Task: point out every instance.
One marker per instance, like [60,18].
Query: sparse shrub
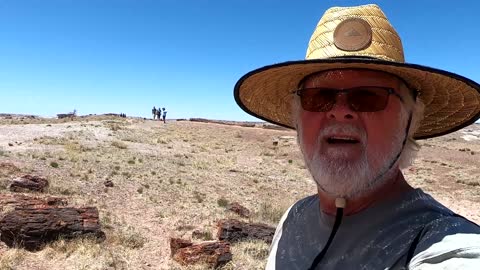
[54,164]
[199,197]
[162,141]
[114,127]
[204,235]
[290,161]
[66,191]
[269,213]
[132,239]
[222,202]
[468,183]
[257,252]
[131,161]
[119,145]
[267,154]
[140,190]
[3,153]
[180,163]
[10,259]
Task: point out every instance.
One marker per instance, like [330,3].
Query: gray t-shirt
[378,237]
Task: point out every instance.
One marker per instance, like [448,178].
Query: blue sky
[130,55]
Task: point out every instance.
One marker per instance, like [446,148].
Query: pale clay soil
[169,177]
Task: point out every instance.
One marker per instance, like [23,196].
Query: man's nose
[341,111]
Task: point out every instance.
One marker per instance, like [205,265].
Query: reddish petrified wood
[29,182]
[233,230]
[32,228]
[178,243]
[214,254]
[22,201]
[238,209]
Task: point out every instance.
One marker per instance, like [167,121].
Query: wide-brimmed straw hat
[360,37]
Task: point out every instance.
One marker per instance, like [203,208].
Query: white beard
[350,179]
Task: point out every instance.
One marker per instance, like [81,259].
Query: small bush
[222,202]
[54,164]
[119,145]
[132,239]
[269,213]
[200,197]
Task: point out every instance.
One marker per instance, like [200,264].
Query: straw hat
[360,37]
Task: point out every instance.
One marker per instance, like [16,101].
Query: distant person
[154,112]
[164,115]
[358,110]
[159,114]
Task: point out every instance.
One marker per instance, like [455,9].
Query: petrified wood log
[22,201]
[29,182]
[32,228]
[238,209]
[233,230]
[178,243]
[214,254]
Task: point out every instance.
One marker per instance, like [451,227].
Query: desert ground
[171,179]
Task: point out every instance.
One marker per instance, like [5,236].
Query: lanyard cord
[340,203]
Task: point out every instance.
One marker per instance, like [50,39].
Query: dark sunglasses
[359,99]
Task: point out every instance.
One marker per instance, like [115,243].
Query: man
[164,115]
[159,114]
[154,112]
[358,109]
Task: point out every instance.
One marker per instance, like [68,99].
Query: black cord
[336,225]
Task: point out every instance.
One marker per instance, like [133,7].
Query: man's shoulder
[451,224]
[309,203]
[448,243]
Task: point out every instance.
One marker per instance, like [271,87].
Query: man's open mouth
[342,140]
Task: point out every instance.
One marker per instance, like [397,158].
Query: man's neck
[392,188]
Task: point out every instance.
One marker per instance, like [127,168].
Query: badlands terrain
[172,179]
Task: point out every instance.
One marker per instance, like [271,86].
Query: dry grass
[172,179]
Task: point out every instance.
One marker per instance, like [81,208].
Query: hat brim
[451,101]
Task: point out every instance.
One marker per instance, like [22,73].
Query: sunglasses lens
[317,99]
[368,99]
